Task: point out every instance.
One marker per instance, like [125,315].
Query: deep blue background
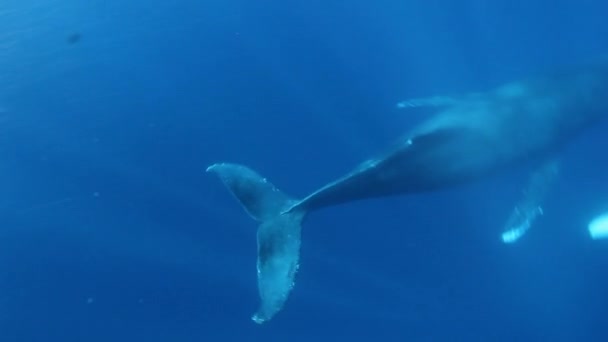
[111,230]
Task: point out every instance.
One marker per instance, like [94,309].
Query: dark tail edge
[278,235]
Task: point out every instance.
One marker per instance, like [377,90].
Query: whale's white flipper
[278,234]
[519,223]
[529,207]
[435,101]
[598,227]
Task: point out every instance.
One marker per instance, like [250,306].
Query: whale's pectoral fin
[529,207]
[278,234]
[435,101]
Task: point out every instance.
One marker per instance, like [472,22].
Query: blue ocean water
[110,111]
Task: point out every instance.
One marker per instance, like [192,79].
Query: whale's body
[469,138]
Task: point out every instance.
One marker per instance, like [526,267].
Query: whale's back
[479,136]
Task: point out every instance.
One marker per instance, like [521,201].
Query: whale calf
[468,138]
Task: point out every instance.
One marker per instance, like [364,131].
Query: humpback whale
[467,138]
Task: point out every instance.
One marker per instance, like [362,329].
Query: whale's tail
[278,234]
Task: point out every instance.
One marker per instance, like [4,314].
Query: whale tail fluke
[278,235]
